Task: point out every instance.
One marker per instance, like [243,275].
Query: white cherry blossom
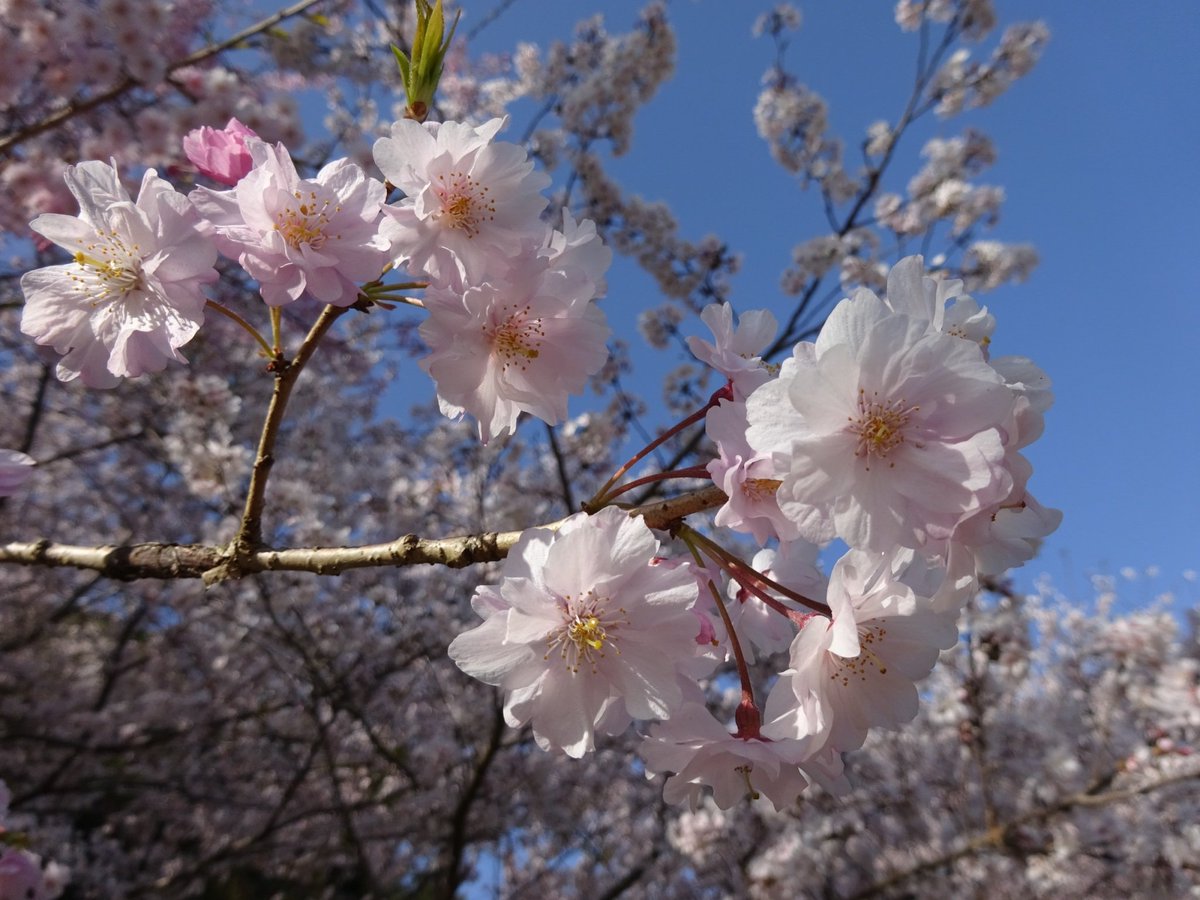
[592,630]
[132,296]
[471,203]
[914,293]
[883,432]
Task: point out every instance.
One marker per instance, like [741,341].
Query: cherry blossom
[471,203]
[883,432]
[15,469]
[698,752]
[296,235]
[860,666]
[734,351]
[591,629]
[132,296]
[748,478]
[914,293]
[21,877]
[512,345]
[580,254]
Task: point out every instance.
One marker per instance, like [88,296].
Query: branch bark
[176,561]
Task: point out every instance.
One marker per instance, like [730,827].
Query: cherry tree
[300,600]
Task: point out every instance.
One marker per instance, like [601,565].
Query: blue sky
[1098,156]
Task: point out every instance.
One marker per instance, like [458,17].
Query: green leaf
[433,33]
[402,62]
[453,28]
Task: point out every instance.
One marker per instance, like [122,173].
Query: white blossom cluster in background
[251,619]
[22,874]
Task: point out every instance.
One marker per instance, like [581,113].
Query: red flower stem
[754,581]
[690,472]
[688,535]
[740,577]
[601,496]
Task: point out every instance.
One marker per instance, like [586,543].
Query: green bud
[422,71]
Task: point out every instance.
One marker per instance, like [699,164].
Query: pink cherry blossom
[20,877]
[470,204]
[296,235]
[860,666]
[221,155]
[1008,532]
[512,345]
[747,477]
[592,631]
[132,296]
[699,752]
[579,253]
[734,350]
[15,469]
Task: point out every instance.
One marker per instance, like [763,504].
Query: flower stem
[602,496]
[690,472]
[250,329]
[378,292]
[277,331]
[689,535]
[757,583]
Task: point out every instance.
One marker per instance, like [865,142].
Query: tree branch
[127,84]
[995,837]
[176,561]
[249,536]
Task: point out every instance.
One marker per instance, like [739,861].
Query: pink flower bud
[221,155]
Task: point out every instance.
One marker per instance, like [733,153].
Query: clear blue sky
[1098,156]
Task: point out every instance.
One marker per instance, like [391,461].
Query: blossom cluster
[895,432]
[512,324]
[22,875]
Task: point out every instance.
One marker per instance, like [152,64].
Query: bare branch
[249,535]
[215,564]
